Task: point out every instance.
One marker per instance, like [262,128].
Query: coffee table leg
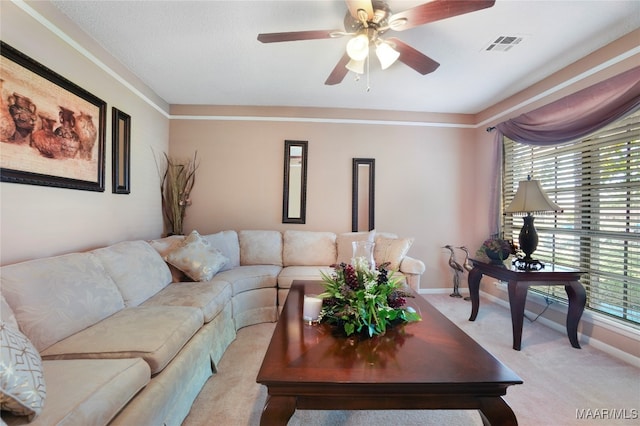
[494,411]
[277,410]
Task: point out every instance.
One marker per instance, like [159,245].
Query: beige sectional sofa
[128,334]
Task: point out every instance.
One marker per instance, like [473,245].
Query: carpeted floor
[562,385]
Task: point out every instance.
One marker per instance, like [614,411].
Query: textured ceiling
[206,52]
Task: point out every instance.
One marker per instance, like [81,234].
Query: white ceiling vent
[503,43]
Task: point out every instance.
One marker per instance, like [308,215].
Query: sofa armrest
[409,265]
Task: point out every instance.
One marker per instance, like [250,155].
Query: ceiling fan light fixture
[386,54]
[358,47]
[356,66]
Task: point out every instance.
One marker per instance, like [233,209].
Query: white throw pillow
[391,250]
[164,246]
[22,387]
[196,258]
[345,246]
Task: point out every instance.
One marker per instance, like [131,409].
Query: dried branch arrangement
[177,182]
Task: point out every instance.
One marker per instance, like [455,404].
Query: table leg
[577,299]
[474,291]
[277,410]
[495,411]
[517,300]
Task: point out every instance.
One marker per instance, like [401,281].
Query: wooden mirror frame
[357,190]
[121,152]
[291,195]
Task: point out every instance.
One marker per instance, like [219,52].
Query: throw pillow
[196,258]
[345,246]
[164,246]
[22,388]
[391,250]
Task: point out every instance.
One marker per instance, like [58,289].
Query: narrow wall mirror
[121,152]
[294,205]
[363,194]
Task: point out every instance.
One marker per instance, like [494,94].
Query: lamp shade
[386,54]
[356,66]
[530,198]
[358,47]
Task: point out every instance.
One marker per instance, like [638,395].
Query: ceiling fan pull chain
[368,85]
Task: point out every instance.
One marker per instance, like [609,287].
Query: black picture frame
[52,131]
[369,167]
[294,192]
[121,151]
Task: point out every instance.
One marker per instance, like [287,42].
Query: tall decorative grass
[176,185]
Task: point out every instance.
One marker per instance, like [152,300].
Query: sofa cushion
[260,247]
[391,250]
[302,248]
[164,246]
[88,392]
[244,278]
[208,296]
[22,384]
[253,307]
[53,298]
[227,243]
[290,273]
[196,258]
[345,247]
[136,268]
[153,333]
[6,313]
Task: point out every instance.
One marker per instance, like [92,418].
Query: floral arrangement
[364,300]
[496,249]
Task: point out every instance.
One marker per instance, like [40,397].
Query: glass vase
[363,253]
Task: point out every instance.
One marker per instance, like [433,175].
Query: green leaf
[349,328]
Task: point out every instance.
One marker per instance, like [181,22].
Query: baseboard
[593,318]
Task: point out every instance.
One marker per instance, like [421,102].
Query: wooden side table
[518,284]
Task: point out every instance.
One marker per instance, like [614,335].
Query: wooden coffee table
[430,364]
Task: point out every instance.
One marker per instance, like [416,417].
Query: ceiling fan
[367,20]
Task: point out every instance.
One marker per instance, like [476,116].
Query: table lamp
[530,198]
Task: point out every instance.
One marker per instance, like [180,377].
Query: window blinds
[597,183]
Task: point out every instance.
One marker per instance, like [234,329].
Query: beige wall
[39,221]
[424,179]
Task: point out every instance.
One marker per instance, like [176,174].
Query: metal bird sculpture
[466,264]
[457,270]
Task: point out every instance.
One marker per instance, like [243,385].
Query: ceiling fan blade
[299,35]
[355,5]
[435,11]
[339,72]
[413,58]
